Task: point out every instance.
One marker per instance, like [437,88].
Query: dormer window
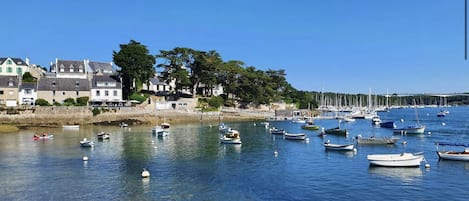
[53,83]
[10,83]
[71,70]
[9,62]
[62,70]
[77,84]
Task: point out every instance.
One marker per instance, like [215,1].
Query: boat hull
[230,141]
[290,136]
[455,156]
[339,147]
[310,127]
[410,130]
[377,141]
[395,160]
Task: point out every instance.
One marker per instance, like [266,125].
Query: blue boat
[387,124]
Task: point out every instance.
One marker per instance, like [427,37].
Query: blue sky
[346,46]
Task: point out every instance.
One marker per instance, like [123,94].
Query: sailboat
[412,129]
[165,125]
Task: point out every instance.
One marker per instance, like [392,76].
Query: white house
[27,94]
[13,66]
[106,89]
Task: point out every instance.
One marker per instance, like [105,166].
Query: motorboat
[103,136]
[277,131]
[295,136]
[375,120]
[298,121]
[165,125]
[453,155]
[376,140]
[159,131]
[71,126]
[231,137]
[86,143]
[396,160]
[338,147]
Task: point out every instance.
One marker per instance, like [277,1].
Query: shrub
[82,101]
[96,111]
[138,97]
[69,102]
[215,101]
[41,102]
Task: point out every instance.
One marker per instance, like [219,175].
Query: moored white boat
[86,143]
[159,131]
[295,136]
[338,147]
[396,160]
[103,136]
[410,129]
[277,131]
[71,126]
[453,155]
[231,137]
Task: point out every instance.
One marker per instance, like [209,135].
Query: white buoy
[254,124]
[429,132]
[402,120]
[275,153]
[85,158]
[404,142]
[443,123]
[427,165]
[354,149]
[145,173]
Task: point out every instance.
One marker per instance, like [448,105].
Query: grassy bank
[5,128]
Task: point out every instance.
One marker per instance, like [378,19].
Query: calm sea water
[191,164]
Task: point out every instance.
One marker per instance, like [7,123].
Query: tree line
[200,71]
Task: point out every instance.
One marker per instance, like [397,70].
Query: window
[62,70]
[9,70]
[77,93]
[115,92]
[9,62]
[53,83]
[106,84]
[10,92]
[10,83]
[80,70]
[19,71]
[53,92]
[106,93]
[1,92]
[71,70]
[97,93]
[63,93]
[27,91]
[0,69]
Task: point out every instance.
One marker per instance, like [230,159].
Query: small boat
[453,155]
[103,136]
[376,140]
[441,114]
[396,160]
[298,121]
[277,131]
[71,126]
[322,133]
[231,137]
[336,131]
[310,126]
[43,136]
[387,124]
[338,147]
[410,129]
[86,143]
[295,136]
[375,120]
[159,131]
[165,125]
[123,125]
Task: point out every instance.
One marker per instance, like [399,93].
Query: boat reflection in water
[404,174]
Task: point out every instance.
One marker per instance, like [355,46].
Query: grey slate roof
[105,78]
[28,85]
[17,61]
[4,80]
[101,67]
[69,64]
[63,84]
[156,81]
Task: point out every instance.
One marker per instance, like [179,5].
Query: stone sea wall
[56,116]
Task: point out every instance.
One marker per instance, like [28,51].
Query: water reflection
[404,174]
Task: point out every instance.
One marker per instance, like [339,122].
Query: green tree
[228,76]
[136,66]
[27,77]
[175,67]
